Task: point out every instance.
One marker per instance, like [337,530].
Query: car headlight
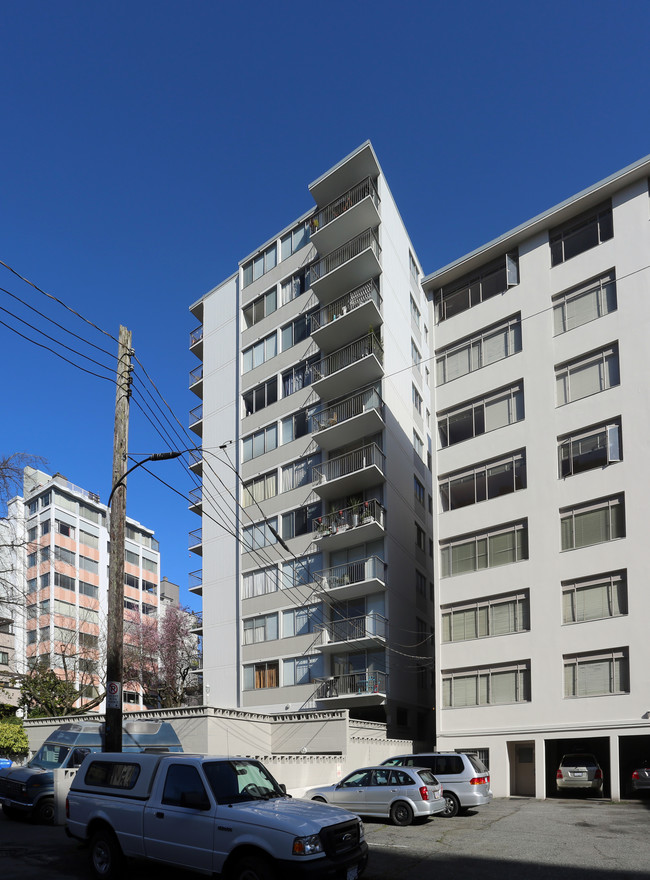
[307,846]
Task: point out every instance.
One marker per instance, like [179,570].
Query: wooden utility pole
[117,502]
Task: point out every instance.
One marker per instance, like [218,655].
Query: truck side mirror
[77,756]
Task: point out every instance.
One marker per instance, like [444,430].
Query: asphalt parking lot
[511,839]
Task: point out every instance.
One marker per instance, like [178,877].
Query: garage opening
[634,752]
[554,749]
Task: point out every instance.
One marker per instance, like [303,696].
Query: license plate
[353,873]
[579,773]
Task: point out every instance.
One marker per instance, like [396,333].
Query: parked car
[464,778]
[639,777]
[399,794]
[579,770]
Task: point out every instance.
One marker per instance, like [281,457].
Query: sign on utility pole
[115,635]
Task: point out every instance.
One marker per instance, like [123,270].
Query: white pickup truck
[207,814]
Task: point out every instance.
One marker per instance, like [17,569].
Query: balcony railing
[350,463]
[196,414]
[349,355]
[369,626]
[344,254]
[343,203]
[349,518]
[367,682]
[196,335]
[352,300]
[195,457]
[195,496]
[195,578]
[351,573]
[195,537]
[348,408]
[196,375]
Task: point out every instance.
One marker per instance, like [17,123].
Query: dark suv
[465,780]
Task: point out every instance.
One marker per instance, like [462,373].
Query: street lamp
[115,630]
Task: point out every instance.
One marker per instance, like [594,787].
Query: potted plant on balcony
[356,505]
[367,513]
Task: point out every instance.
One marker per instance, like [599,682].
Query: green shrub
[13,740]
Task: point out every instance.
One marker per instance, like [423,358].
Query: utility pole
[117,501]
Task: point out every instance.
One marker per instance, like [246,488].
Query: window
[297,425]
[261,307]
[86,640]
[67,609]
[417,399]
[44,580]
[32,585]
[416,357]
[299,473]
[299,522]
[129,605]
[499,546]
[297,284]
[487,685]
[32,559]
[132,558]
[419,537]
[45,528]
[261,675]
[149,586]
[45,554]
[131,697]
[492,345]
[595,674]
[260,535]
[85,511]
[61,634]
[594,598]
[259,489]
[32,533]
[63,581]
[62,528]
[130,580]
[301,670]
[301,621]
[260,442]
[148,610]
[45,499]
[262,351]
[584,303]
[298,330]
[587,375]
[88,539]
[31,637]
[260,265]
[501,408]
[88,564]
[88,590]
[260,582]
[415,312]
[261,629]
[33,507]
[420,584]
[300,376]
[418,445]
[183,779]
[294,240]
[494,616]
[413,267]
[491,280]
[87,615]
[591,448]
[149,564]
[418,490]
[485,481]
[593,523]
[299,572]
[261,396]
[581,233]
[4,658]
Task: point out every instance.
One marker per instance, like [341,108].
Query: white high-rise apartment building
[541,401]
[320,594]
[461,454]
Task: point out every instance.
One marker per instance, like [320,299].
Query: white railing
[348,408]
[348,355]
[344,254]
[351,573]
[349,463]
[348,303]
[343,203]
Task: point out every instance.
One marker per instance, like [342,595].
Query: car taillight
[424,793]
[480,780]
[558,775]
[635,774]
[598,774]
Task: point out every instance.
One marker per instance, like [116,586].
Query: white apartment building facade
[317,558]
[60,597]
[541,400]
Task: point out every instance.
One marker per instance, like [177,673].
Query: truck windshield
[49,756]
[237,781]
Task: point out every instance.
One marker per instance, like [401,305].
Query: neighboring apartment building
[313,375]
[322,366]
[11,606]
[62,579]
[541,401]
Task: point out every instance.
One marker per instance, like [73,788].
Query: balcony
[195,542]
[350,473]
[352,579]
[348,266]
[196,381]
[349,526]
[354,417]
[196,461]
[197,624]
[349,368]
[367,688]
[196,500]
[355,167]
[196,420]
[354,633]
[356,209]
[196,341]
[196,582]
[348,317]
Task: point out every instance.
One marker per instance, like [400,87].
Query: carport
[554,749]
[632,750]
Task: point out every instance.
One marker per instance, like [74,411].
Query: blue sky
[148,146]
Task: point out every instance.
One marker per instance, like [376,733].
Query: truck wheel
[44,812]
[452,805]
[252,868]
[401,814]
[106,857]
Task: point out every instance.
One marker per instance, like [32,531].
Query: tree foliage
[43,693]
[13,740]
